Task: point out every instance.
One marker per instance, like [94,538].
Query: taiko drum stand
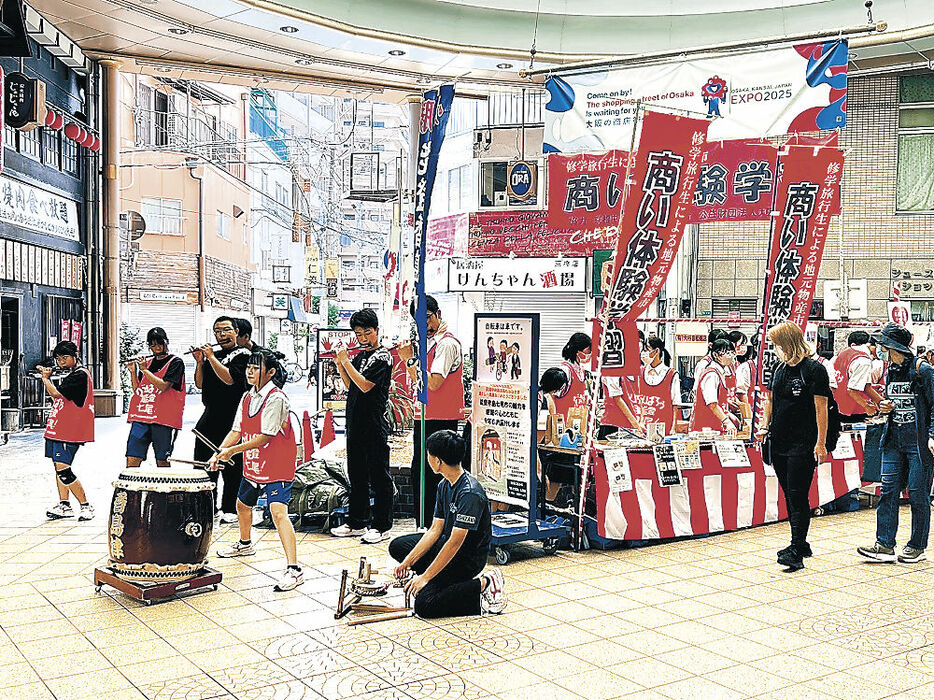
[157,591]
[352,592]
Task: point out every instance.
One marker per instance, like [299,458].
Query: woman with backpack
[795,425]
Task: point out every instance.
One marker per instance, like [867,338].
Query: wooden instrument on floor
[160,524]
[352,591]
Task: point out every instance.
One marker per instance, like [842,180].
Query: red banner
[66,329]
[736,182]
[76,333]
[446,237]
[494,234]
[658,206]
[622,352]
[585,191]
[804,202]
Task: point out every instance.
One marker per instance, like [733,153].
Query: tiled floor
[712,617]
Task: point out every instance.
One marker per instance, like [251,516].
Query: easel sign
[332,394]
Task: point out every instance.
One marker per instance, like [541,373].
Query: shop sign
[331,289]
[691,338]
[38,210]
[915,278]
[22,262]
[900,313]
[656,212]
[23,101]
[527,233]
[332,392]
[602,271]
[505,275]
[280,302]
[777,91]
[285,326]
[522,180]
[146,295]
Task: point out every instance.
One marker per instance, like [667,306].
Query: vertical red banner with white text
[657,208]
[806,198]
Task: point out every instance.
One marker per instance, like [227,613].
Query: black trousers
[795,473]
[368,466]
[452,593]
[233,474]
[431,479]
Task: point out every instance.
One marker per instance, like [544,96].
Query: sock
[245,542]
[66,502]
[296,567]
[484,583]
[82,504]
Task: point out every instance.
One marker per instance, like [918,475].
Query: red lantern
[82,134]
[88,139]
[72,130]
[49,117]
[96,146]
[58,121]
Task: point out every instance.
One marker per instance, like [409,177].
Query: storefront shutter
[180,323]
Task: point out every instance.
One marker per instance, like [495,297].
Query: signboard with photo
[503,349]
[332,393]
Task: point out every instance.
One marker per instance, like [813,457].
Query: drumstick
[379,618]
[198,434]
[203,465]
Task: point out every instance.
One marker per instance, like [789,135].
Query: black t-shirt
[466,506]
[174,375]
[74,387]
[366,411]
[794,418]
[221,400]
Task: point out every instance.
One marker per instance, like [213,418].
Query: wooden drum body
[161,521]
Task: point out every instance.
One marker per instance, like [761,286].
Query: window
[10,137]
[922,311]
[379,125]
[743,307]
[461,193]
[70,162]
[29,143]
[51,148]
[493,192]
[223,225]
[914,185]
[162,215]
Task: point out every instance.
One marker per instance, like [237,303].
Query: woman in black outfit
[795,419]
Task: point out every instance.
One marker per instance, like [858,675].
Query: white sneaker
[289,579]
[346,531]
[372,536]
[493,599]
[58,511]
[237,550]
[87,512]
[229,519]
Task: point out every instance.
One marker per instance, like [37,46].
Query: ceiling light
[288,29]
[423,80]
[304,61]
[178,31]
[162,69]
[503,66]
[397,52]
[149,2]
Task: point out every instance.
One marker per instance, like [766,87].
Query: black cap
[895,337]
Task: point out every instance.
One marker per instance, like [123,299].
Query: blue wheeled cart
[520,333]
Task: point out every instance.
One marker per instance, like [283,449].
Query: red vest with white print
[841,365]
[69,422]
[612,413]
[149,405]
[703,416]
[274,461]
[447,401]
[576,394]
[654,402]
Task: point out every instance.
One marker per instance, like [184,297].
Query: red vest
[149,405]
[447,401]
[576,394]
[69,422]
[274,461]
[841,366]
[730,380]
[612,414]
[653,403]
[703,416]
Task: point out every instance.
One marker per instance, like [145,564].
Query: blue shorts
[142,435]
[276,492]
[61,452]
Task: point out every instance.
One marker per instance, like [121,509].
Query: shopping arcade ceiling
[389,49]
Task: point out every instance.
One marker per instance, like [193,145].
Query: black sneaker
[805,550]
[791,560]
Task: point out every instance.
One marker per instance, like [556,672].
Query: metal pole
[111,227]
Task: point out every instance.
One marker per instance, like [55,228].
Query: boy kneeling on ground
[448,558]
[263,432]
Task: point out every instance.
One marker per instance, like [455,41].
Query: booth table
[710,499]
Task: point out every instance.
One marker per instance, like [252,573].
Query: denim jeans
[903,468]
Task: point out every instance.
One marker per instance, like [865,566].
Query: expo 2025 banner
[767,93]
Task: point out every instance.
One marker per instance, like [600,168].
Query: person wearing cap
[158,402]
[907,448]
[70,425]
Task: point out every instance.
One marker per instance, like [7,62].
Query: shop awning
[297,311]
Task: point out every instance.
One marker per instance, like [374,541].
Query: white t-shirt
[860,370]
[447,355]
[275,413]
[831,372]
[743,377]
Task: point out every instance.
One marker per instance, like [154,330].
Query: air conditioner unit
[500,199]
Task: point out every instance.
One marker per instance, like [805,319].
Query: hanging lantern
[96,146]
[58,121]
[49,117]
[72,130]
[88,139]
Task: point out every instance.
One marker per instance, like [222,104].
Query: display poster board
[617,469]
[332,393]
[503,410]
[666,465]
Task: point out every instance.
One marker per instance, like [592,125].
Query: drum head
[164,479]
